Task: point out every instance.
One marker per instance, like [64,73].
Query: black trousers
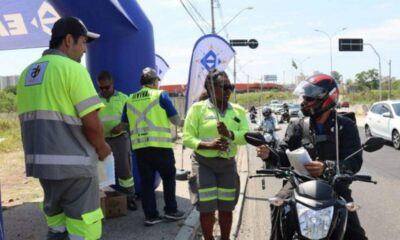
[354,231]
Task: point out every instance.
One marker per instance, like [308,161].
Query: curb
[190,227]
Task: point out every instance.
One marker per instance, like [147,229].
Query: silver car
[383,120]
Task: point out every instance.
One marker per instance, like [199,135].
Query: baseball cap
[149,75]
[73,26]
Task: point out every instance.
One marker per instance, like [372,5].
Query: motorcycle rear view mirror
[257,139]
[373,143]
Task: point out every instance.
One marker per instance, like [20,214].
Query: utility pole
[390,78]
[234,77]
[212,18]
[247,98]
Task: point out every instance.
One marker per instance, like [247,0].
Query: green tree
[7,102]
[369,79]
[11,89]
[337,76]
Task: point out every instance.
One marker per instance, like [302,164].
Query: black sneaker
[178,215]
[152,221]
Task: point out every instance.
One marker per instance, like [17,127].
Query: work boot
[130,200]
[51,235]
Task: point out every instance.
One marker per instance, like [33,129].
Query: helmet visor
[307,89]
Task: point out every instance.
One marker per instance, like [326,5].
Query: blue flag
[26,23]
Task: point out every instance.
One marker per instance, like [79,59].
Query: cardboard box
[113,204]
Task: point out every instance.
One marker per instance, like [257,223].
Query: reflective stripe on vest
[109,118]
[57,159]
[80,107]
[49,115]
[61,143]
[148,122]
[142,117]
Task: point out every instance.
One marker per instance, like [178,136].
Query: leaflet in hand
[298,158]
[106,171]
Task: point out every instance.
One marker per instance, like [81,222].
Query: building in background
[6,81]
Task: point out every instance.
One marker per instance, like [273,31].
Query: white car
[383,120]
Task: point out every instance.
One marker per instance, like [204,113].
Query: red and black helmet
[322,88]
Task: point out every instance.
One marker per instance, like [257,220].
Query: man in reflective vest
[62,134]
[116,135]
[149,113]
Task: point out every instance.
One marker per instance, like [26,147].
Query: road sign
[351,44]
[238,42]
[270,78]
[252,43]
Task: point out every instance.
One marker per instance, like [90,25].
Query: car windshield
[396,107]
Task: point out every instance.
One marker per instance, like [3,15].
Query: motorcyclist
[285,113]
[253,109]
[253,114]
[268,124]
[316,133]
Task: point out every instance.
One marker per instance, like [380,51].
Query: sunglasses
[227,87]
[308,99]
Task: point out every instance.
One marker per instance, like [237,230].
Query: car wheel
[367,131]
[396,139]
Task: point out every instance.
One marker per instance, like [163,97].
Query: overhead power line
[190,14]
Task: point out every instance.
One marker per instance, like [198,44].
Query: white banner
[161,66]
[210,51]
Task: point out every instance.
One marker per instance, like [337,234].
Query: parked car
[294,109]
[276,107]
[343,105]
[383,120]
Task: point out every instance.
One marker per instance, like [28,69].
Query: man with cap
[62,134]
[149,113]
[116,135]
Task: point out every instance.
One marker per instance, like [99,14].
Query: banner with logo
[161,66]
[26,23]
[210,51]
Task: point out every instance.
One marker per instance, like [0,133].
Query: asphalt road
[379,213]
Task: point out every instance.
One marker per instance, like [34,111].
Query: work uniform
[214,183]
[148,112]
[319,141]
[54,93]
[110,116]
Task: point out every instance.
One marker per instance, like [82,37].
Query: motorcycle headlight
[268,138]
[314,224]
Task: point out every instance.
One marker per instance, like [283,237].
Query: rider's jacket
[319,141]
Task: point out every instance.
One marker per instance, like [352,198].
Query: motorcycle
[314,210]
[285,116]
[253,117]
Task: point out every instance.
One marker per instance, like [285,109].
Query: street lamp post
[234,56]
[301,63]
[380,72]
[330,41]
[233,18]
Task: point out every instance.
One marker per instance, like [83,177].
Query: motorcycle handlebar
[267,171]
[361,178]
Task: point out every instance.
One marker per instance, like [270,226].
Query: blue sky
[284,30]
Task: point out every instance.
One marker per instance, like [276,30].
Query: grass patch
[9,133]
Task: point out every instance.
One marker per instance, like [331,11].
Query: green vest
[201,126]
[148,122]
[110,116]
[54,93]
